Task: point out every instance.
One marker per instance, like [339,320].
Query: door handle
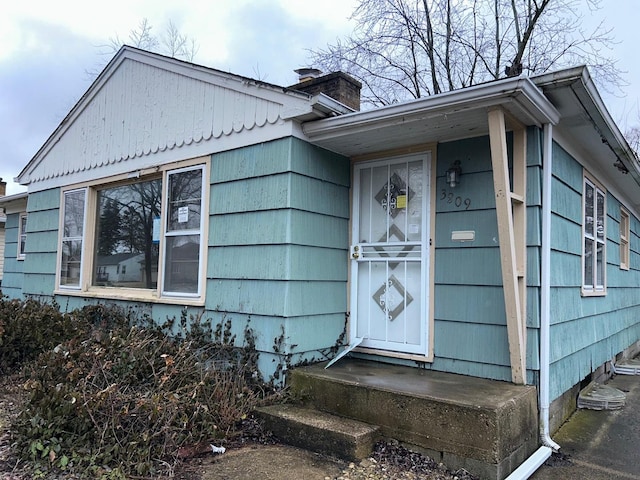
[355,252]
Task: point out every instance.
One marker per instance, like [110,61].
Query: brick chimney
[338,85]
[3,187]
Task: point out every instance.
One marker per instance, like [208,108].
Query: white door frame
[413,253]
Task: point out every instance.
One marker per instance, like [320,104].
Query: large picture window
[124,235]
[594,239]
[144,235]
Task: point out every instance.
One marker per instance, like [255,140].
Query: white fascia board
[14,203]
[519,92]
[581,84]
[320,106]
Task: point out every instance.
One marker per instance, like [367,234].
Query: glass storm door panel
[390,255]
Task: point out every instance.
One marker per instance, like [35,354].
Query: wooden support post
[511,212]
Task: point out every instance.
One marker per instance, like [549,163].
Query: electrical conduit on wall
[531,464]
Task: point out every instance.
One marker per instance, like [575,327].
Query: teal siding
[277,250]
[470,334]
[278,262]
[587,331]
[41,248]
[278,243]
[12,275]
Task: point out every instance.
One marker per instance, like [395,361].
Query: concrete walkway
[600,444]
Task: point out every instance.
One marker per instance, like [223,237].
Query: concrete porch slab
[487,427]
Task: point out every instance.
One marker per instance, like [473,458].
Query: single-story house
[491,232]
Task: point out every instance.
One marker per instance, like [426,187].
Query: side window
[73,218]
[624,239]
[594,239]
[183,234]
[22,236]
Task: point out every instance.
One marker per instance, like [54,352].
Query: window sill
[593,293]
[146,296]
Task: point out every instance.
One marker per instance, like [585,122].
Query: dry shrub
[128,399]
[30,327]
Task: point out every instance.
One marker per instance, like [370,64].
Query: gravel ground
[393,461]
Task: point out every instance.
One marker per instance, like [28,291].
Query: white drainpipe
[531,464]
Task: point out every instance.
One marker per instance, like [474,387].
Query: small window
[594,239]
[22,236]
[183,232]
[72,238]
[624,239]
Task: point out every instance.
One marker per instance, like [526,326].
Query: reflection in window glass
[72,238]
[594,238]
[126,254]
[624,239]
[183,233]
[181,273]
[22,236]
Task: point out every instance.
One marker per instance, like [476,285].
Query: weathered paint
[143,105]
[279,241]
[277,298]
[41,247]
[278,262]
[279,227]
[469,299]
[12,276]
[587,331]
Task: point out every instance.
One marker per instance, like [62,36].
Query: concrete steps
[319,431]
[486,427]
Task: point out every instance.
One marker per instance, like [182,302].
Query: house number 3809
[458,201]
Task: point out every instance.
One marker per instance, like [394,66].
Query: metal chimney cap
[307,73]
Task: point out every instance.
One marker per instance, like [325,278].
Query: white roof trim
[519,93]
[241,104]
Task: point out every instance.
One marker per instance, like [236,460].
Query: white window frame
[22,236]
[167,233]
[590,287]
[625,232]
[72,238]
[89,240]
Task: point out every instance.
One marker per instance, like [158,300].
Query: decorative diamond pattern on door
[392,298]
[389,301]
[394,195]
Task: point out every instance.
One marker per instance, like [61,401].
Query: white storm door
[390,255]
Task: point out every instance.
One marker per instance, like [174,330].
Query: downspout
[531,464]
[545,288]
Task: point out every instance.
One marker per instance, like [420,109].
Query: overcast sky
[47,47]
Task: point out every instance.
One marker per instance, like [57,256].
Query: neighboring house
[491,231]
[13,235]
[120,270]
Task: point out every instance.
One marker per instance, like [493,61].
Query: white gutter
[531,464]
[520,92]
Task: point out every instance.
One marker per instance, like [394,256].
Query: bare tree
[403,49]
[170,42]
